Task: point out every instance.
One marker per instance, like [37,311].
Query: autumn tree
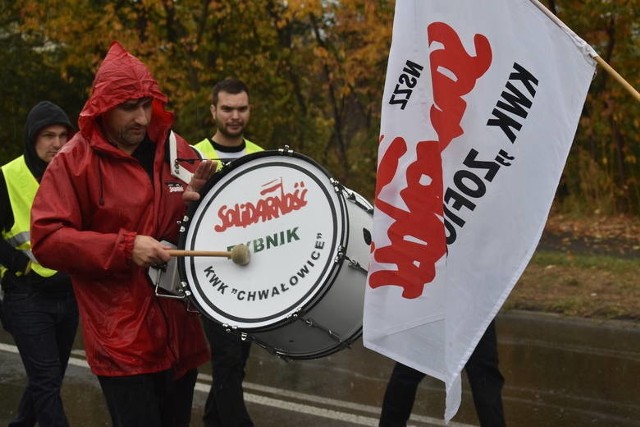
[30,73]
[602,173]
[316,70]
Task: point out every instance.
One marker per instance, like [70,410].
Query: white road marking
[258,394]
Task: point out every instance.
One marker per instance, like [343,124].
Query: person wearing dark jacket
[106,203]
[39,309]
[484,376]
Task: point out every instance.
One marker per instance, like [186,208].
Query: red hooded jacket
[92,202]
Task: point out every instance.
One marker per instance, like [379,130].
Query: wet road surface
[558,371]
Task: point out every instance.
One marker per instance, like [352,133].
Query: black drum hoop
[329,272]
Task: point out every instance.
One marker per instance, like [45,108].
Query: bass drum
[301,296]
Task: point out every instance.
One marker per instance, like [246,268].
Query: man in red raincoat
[104,205]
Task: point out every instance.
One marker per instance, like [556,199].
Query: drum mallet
[239,254]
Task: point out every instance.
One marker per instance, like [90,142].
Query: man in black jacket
[484,376]
[39,308]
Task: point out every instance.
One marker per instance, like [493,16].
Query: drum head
[286,210]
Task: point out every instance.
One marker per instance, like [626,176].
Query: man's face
[231,115]
[50,140]
[126,124]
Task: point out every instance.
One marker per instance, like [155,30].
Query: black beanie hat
[44,114]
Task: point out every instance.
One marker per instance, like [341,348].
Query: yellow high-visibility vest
[22,187]
[209,152]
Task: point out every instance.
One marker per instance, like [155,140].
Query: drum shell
[335,321]
[325,317]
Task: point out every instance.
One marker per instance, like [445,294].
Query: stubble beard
[224,130]
[131,138]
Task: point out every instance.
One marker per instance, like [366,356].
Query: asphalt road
[558,371]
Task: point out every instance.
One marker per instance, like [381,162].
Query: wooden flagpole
[590,51]
[617,77]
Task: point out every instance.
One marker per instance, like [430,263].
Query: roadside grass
[591,286]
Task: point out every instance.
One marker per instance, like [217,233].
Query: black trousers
[150,400]
[43,326]
[484,376]
[225,406]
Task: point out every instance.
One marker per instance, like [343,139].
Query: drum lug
[295,314]
[183,224]
[184,289]
[234,330]
[337,187]
[285,150]
[340,255]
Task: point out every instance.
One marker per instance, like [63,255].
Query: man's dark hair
[229,85]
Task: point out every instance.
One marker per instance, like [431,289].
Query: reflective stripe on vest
[22,188]
[209,152]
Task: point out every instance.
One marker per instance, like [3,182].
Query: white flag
[481,103]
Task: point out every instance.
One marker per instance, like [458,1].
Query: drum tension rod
[353,199]
[190,306]
[313,324]
[355,264]
[341,256]
[271,350]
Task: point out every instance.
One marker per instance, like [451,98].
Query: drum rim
[331,270]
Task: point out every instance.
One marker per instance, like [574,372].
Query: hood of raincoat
[122,77]
[45,113]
